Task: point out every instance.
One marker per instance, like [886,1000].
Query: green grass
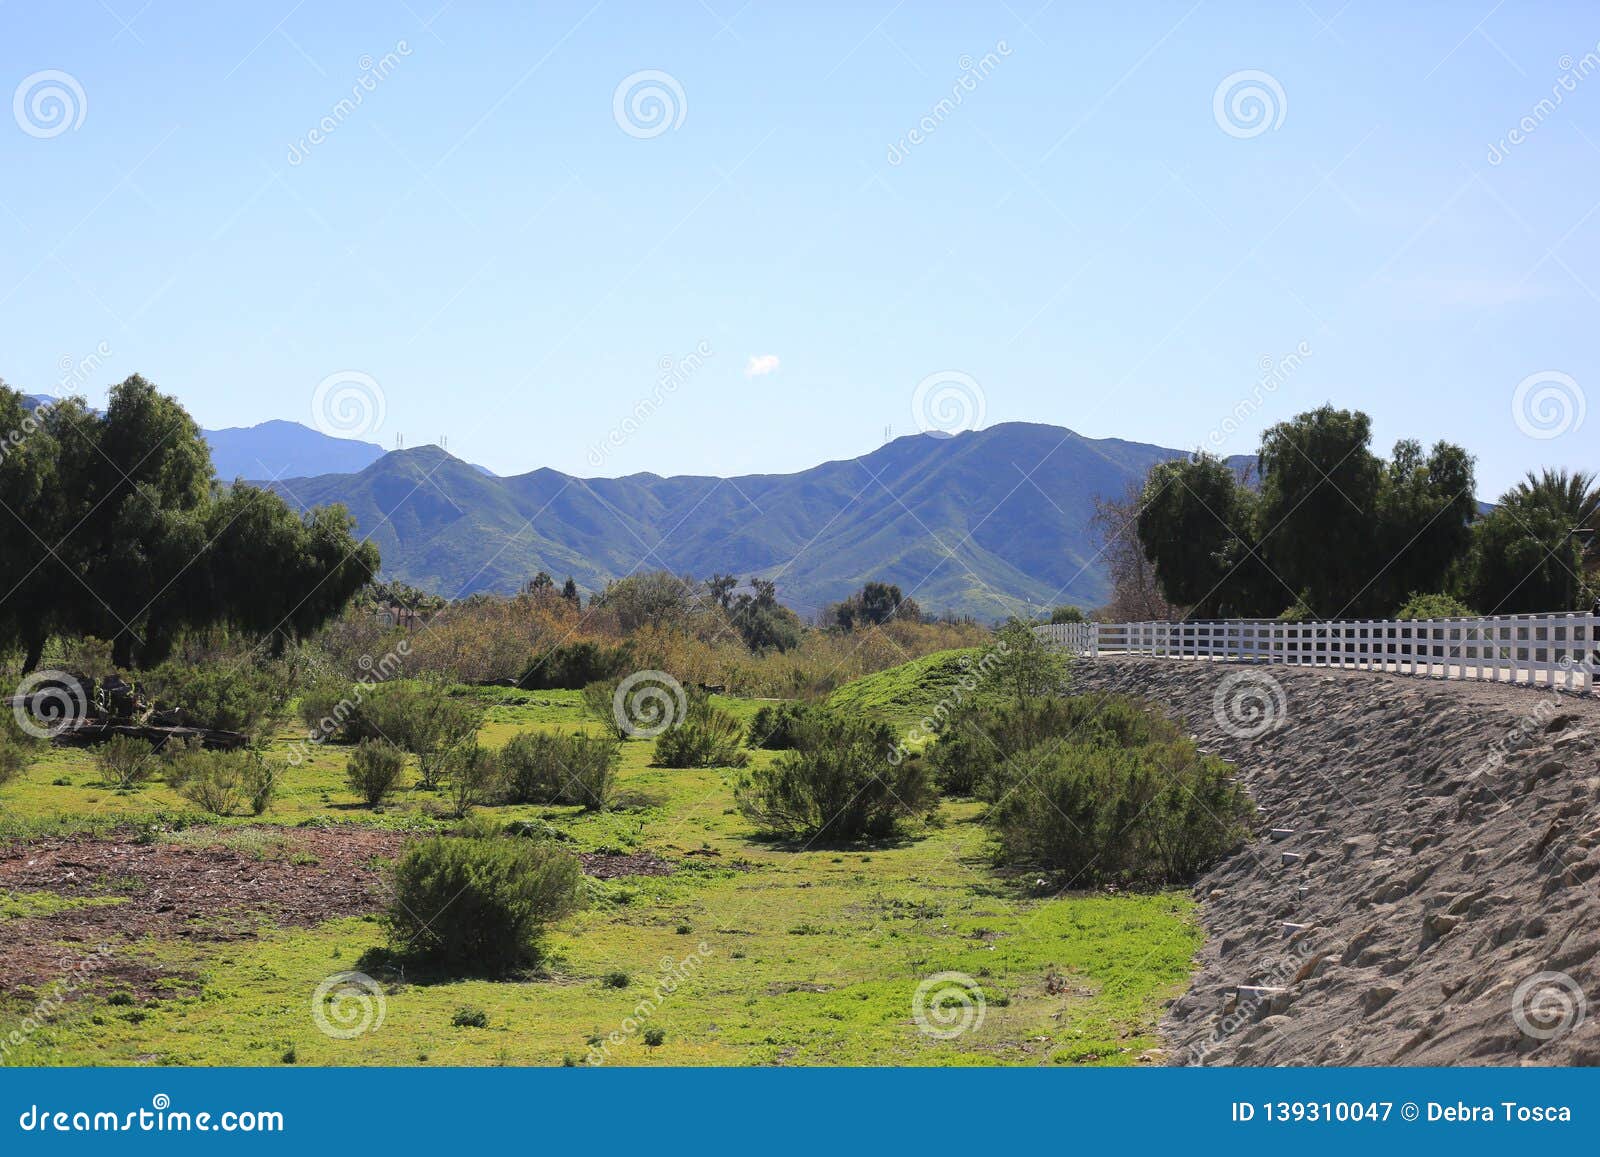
[810,957]
[905,694]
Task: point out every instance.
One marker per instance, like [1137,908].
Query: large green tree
[113,526]
[1528,553]
[1196,525]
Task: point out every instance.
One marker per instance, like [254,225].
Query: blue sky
[1083,238]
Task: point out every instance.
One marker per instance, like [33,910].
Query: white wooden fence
[1548,650]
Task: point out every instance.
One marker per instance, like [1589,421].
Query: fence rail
[1548,650]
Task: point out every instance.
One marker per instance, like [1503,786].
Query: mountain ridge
[988,522]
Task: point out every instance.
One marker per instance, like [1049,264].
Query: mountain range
[986,522]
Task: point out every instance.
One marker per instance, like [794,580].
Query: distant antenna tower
[888,433]
[444,441]
[399,441]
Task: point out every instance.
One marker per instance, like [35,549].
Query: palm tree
[1571,495]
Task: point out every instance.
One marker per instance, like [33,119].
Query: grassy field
[794,955]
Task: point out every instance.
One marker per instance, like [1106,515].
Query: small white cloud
[760,365]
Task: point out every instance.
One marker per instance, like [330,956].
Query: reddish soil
[198,892]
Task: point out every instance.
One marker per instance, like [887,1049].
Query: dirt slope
[1437,900]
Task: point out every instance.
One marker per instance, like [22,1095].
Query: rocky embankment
[1423,888]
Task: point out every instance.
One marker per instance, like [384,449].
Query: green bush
[572,666]
[480,904]
[843,782]
[332,711]
[598,698]
[473,776]
[125,761]
[776,727]
[983,748]
[1420,606]
[1068,614]
[470,1016]
[427,721]
[18,750]
[707,737]
[374,769]
[1154,814]
[226,697]
[541,767]
[223,781]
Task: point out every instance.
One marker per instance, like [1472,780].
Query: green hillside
[952,521]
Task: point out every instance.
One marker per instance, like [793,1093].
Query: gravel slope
[1429,896]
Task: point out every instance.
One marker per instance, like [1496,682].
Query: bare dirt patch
[217,886]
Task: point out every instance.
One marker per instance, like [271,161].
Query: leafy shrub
[374,769]
[616,980]
[707,737]
[597,701]
[125,761]
[981,750]
[18,750]
[654,1037]
[843,781]
[473,776]
[480,904]
[1420,606]
[1068,614]
[222,781]
[1157,813]
[776,727]
[331,710]
[228,697]
[572,666]
[470,1016]
[427,721]
[541,767]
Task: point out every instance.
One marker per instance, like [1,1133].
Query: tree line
[1325,528]
[113,526]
